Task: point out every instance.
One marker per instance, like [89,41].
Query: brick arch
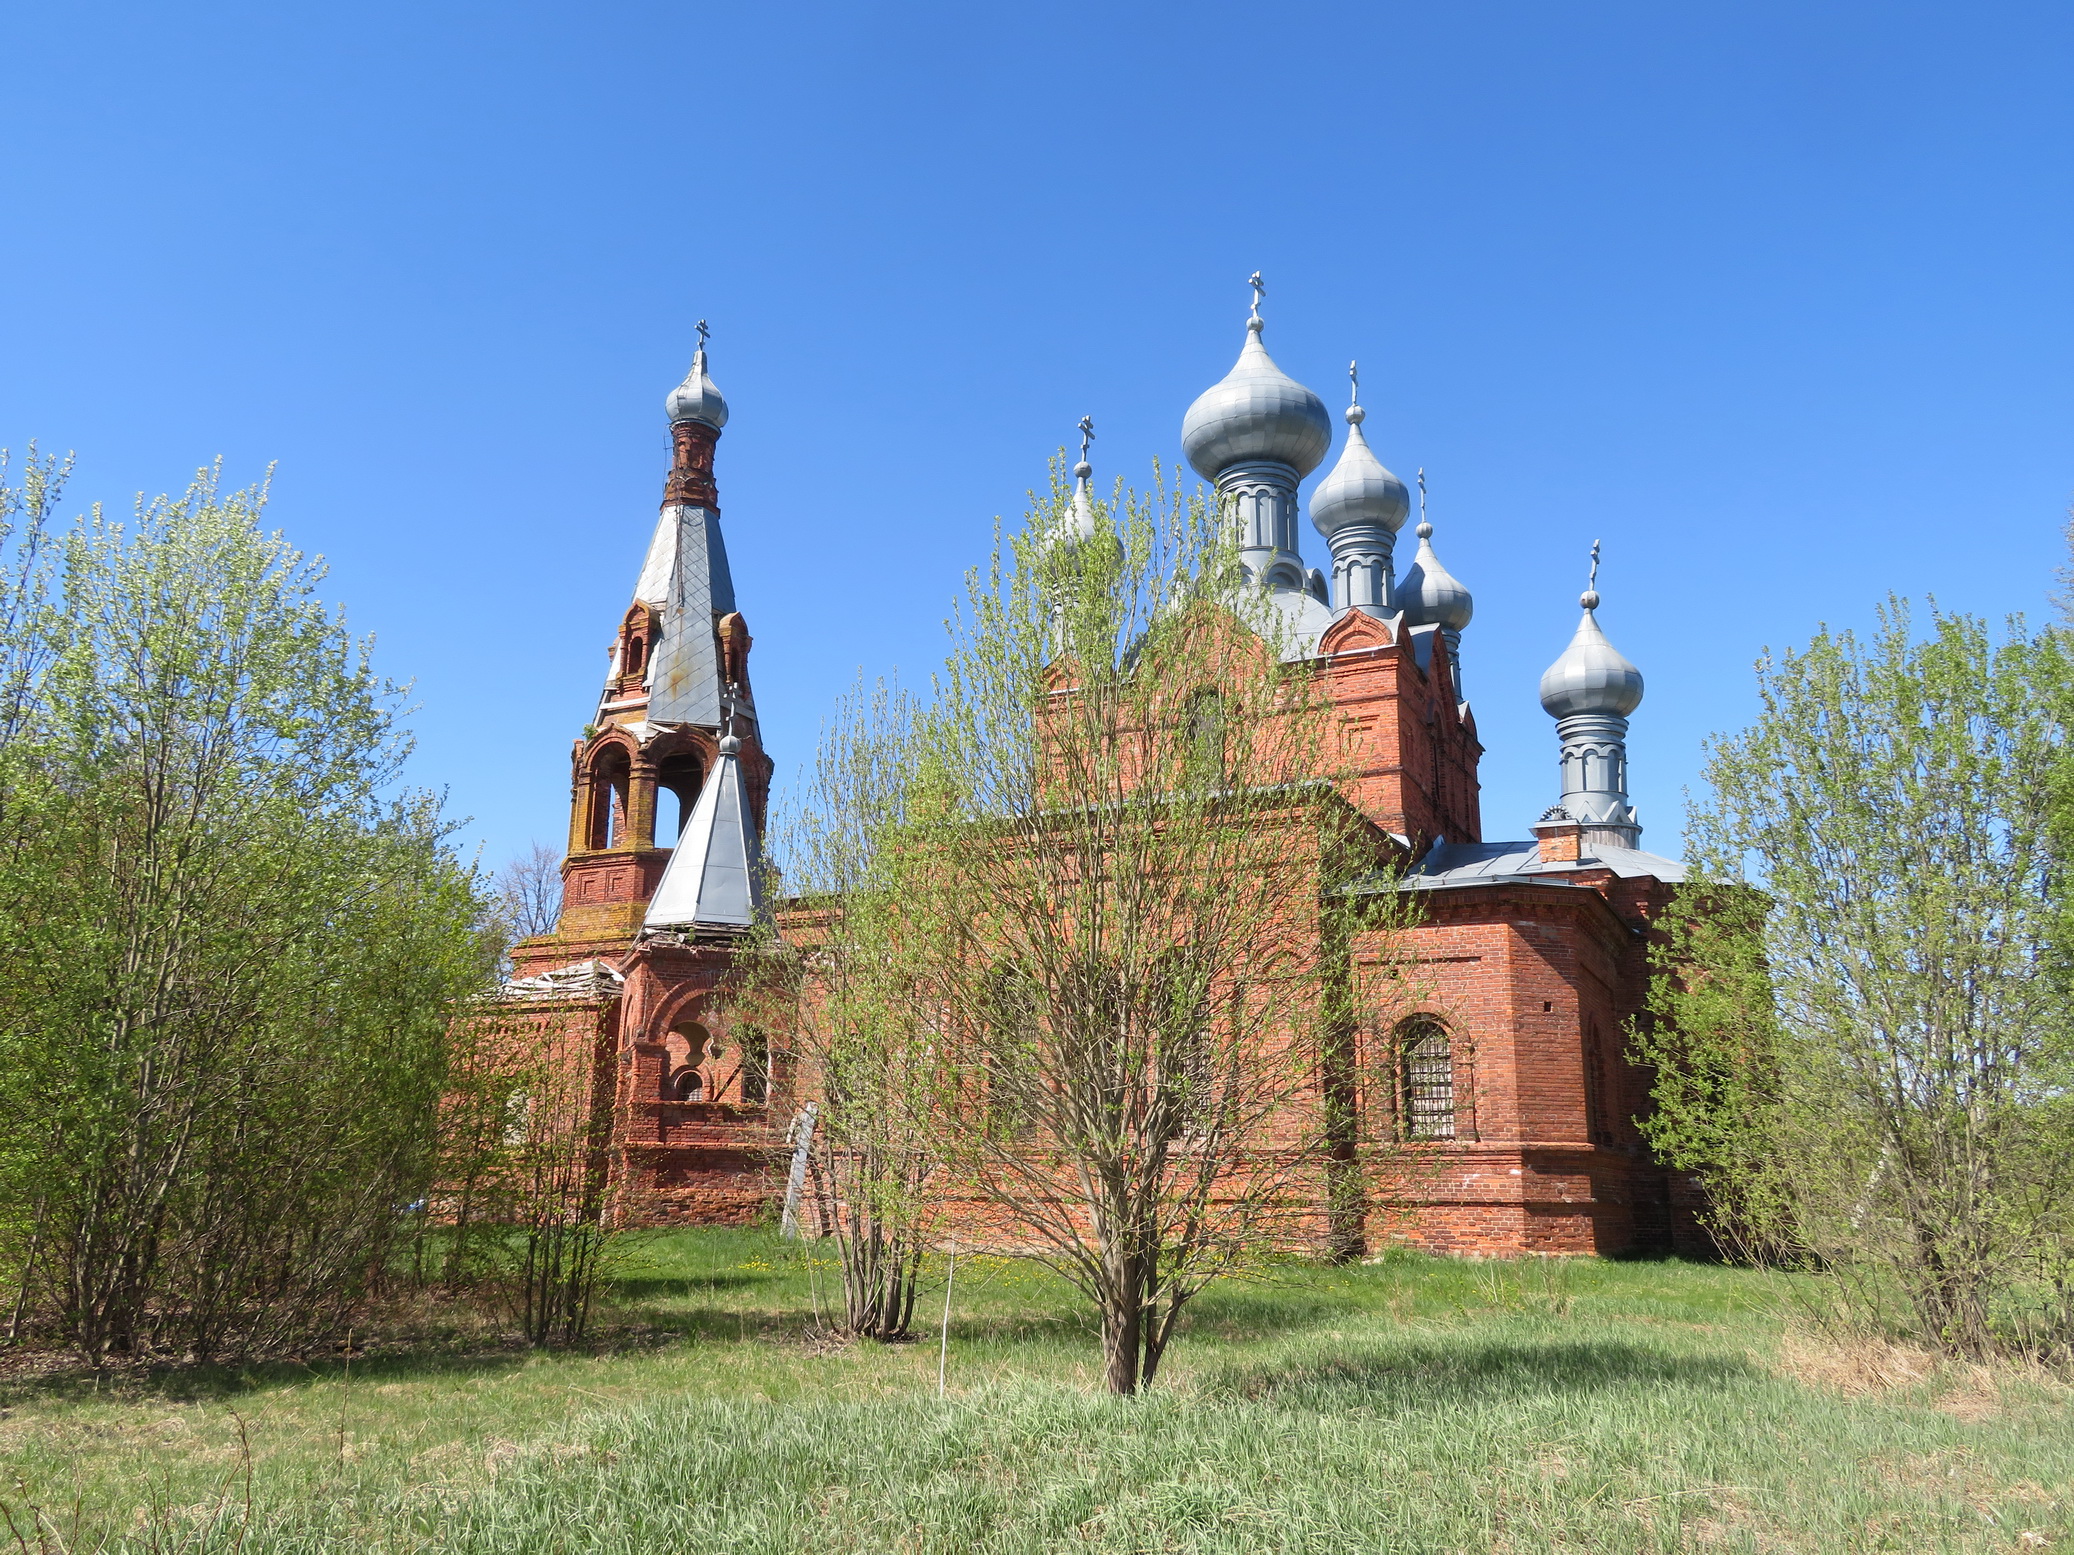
[729,1078]
[1351,632]
[605,794]
[678,763]
[640,634]
[683,1004]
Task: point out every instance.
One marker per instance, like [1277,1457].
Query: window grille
[1427,1083]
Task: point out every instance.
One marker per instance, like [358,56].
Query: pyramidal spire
[686,576]
[714,880]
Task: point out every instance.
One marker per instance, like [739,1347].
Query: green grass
[1415,1405]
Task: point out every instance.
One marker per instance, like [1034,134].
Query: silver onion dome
[1080,518]
[1430,595]
[1591,676]
[697,398]
[1256,412]
[1358,490]
[1078,522]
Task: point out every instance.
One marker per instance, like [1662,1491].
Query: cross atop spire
[1590,601]
[703,333]
[1354,383]
[1424,527]
[1087,435]
[1259,291]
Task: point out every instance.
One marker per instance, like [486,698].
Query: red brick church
[1533,951]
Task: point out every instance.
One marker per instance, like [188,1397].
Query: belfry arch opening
[611,774]
[680,777]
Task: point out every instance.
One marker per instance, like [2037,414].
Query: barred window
[1426,1081]
[1202,728]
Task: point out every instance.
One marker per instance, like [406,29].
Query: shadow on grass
[634,1288]
[1253,1314]
[1470,1371]
[189,1383]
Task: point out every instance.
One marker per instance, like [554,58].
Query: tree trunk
[1123,1325]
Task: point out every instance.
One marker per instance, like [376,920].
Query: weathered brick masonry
[1510,1078]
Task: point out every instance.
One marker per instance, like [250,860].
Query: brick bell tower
[663,879]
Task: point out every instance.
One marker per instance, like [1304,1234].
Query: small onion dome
[696,398]
[1428,593]
[1256,412]
[1591,676]
[730,745]
[1358,490]
[1078,522]
[1080,518]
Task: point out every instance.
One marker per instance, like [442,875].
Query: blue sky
[1778,299]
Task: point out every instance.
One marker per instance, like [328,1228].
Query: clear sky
[1776,298]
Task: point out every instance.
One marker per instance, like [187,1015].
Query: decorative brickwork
[690,482]
[1512,1087]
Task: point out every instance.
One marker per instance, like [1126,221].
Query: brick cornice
[1513,898]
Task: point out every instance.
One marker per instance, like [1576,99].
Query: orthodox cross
[703,333]
[1354,378]
[1422,494]
[1259,291]
[1087,435]
[1593,585]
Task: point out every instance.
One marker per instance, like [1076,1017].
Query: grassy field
[1412,1405]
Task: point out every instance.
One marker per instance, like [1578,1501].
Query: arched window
[756,1068]
[1202,734]
[1181,1038]
[1425,1080]
[1009,1047]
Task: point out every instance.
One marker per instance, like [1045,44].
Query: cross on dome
[697,398]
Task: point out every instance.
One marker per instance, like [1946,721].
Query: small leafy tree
[841,986]
[1860,1040]
[522,1205]
[1102,916]
[228,948]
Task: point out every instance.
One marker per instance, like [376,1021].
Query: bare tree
[529,892]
